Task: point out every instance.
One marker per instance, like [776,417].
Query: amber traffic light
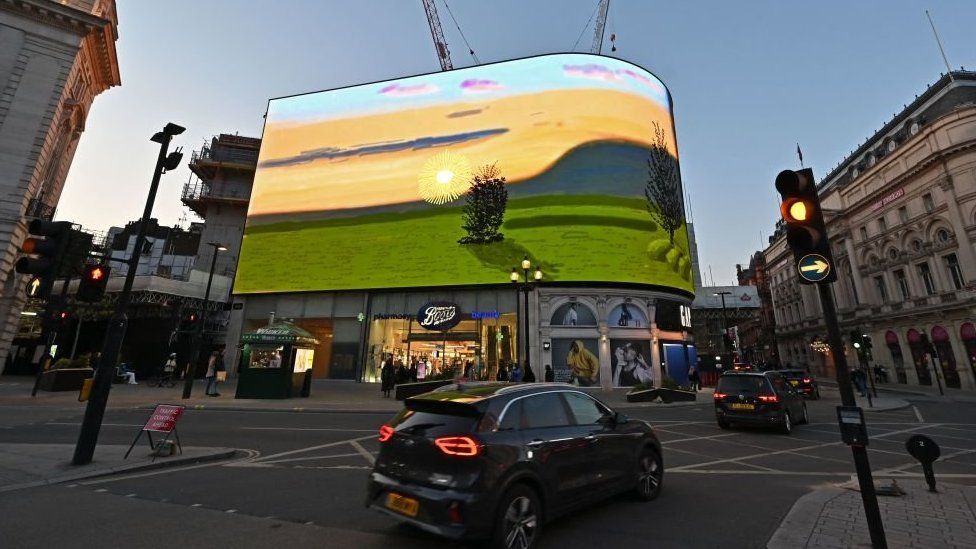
[806,232]
[47,244]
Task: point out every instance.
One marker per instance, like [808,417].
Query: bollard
[926,451]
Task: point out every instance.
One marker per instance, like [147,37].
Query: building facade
[901,214]
[757,334]
[55,57]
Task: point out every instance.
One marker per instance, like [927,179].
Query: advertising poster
[677,365]
[631,362]
[569,159]
[573,314]
[576,361]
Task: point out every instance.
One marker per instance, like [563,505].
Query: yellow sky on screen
[541,128]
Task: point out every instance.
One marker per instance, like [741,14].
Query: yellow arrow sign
[33,287]
[817,267]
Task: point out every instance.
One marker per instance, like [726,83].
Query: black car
[803,382]
[758,398]
[497,460]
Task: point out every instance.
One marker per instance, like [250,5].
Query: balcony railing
[200,190]
[36,209]
[219,153]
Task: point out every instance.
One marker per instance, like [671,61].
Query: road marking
[666,442]
[231,511]
[918,415]
[307,458]
[307,429]
[197,505]
[362,451]
[811,473]
[311,448]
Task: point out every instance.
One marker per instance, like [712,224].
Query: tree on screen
[663,188]
[484,207]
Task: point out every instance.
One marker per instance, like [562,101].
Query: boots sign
[439,315]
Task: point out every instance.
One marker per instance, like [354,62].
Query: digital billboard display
[451,178]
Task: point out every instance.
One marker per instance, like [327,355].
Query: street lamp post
[112,344]
[725,324]
[526,287]
[198,333]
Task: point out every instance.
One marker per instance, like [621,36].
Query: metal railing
[220,153]
[197,189]
[37,209]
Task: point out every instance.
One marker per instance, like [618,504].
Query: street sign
[813,267]
[33,287]
[162,420]
[926,451]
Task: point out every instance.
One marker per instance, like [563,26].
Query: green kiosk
[276,362]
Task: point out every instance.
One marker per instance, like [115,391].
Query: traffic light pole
[95,411]
[50,334]
[861,464]
[198,332]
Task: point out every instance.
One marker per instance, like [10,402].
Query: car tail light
[807,380]
[385,433]
[454,513]
[458,446]
[718,396]
[769,399]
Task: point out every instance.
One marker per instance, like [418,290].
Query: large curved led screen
[451,178]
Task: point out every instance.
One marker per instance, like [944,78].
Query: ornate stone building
[901,213]
[55,57]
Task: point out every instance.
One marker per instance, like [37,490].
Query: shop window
[955,272]
[627,315]
[947,359]
[573,314]
[925,273]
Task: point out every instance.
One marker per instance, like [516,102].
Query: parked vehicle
[497,460]
[803,382]
[758,398]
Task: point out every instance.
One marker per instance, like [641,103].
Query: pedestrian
[401,374]
[502,372]
[212,370]
[550,376]
[694,379]
[516,373]
[529,375]
[467,369]
[386,377]
[127,373]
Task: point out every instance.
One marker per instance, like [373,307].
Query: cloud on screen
[480,86]
[400,90]
[329,153]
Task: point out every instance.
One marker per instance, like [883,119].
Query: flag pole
[941,49]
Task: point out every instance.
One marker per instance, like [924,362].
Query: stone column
[966,379]
[906,354]
[855,268]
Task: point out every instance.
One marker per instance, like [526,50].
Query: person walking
[550,376]
[212,374]
[386,377]
[529,375]
[516,373]
[694,379]
[502,373]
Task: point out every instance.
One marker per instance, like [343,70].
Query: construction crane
[598,28]
[440,44]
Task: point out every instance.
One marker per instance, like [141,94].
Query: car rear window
[742,384]
[431,420]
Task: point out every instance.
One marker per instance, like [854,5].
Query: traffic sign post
[806,235]
[162,420]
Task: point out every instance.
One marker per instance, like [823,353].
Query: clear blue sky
[749,80]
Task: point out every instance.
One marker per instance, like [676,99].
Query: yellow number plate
[794,382]
[741,406]
[401,504]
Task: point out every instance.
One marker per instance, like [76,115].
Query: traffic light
[806,232]
[857,341]
[48,242]
[94,278]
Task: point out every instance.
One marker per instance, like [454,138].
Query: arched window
[940,340]
[627,315]
[914,338]
[573,314]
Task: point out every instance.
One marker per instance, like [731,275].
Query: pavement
[326,396]
[31,465]
[833,516]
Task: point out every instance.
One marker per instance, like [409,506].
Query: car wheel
[724,424]
[650,474]
[519,519]
[806,415]
[787,426]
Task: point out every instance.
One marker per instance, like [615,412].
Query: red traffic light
[63,315]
